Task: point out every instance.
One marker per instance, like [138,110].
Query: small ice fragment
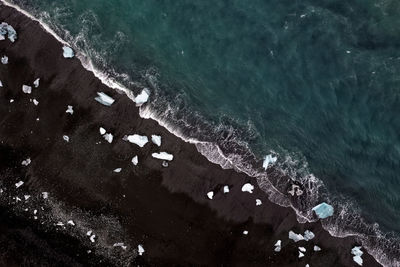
[140,250]
[36,82]
[163,156]
[278,246]
[71,222]
[316,248]
[295,237]
[164,164]
[11,100]
[4,60]
[102,130]
[308,235]
[69,110]
[117,170]
[323,210]
[35,102]
[356,251]
[245,232]
[302,15]
[135,160]
[156,139]
[26,89]
[37,119]
[248,188]
[210,195]
[89,233]
[302,249]
[122,245]
[348,51]
[142,97]
[66,138]
[60,224]
[17,199]
[258,202]
[5,28]
[1,84]
[20,183]
[269,159]
[27,197]
[109,137]
[358,260]
[45,195]
[104,99]
[34,212]
[92,238]
[139,140]
[68,52]
[301,255]
[307,265]
[226,189]
[26,162]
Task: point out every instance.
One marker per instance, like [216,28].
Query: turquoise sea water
[318,81]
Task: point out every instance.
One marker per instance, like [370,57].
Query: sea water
[315,83]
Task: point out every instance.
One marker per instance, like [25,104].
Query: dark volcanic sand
[165,209]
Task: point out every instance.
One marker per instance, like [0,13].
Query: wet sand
[164,209]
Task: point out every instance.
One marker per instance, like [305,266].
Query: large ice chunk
[163,156]
[7,29]
[104,99]
[26,89]
[68,52]
[156,139]
[135,160]
[356,251]
[295,237]
[269,159]
[139,140]
[323,210]
[1,84]
[278,246]
[142,98]
[4,60]
[308,235]
[248,188]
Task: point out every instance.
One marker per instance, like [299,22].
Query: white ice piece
[66,138]
[295,237]
[358,260]
[308,235]
[301,255]
[323,210]
[109,137]
[68,52]
[89,233]
[117,170]
[122,245]
[102,130]
[278,246]
[1,84]
[142,98]
[156,139]
[135,160]
[26,162]
[248,188]
[140,250]
[26,89]
[45,195]
[258,202]
[4,60]
[104,99]
[245,232]
[210,195]
[26,197]
[139,140]
[35,102]
[163,156]
[11,100]
[20,183]
[356,251]
[226,189]
[60,224]
[316,248]
[69,110]
[269,159]
[92,238]
[36,83]
[7,29]
[302,249]
[71,222]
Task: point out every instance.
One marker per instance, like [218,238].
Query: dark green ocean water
[316,81]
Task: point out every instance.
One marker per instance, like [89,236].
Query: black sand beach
[166,210]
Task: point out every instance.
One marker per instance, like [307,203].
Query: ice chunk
[140,250]
[295,237]
[356,251]
[104,99]
[4,60]
[245,232]
[278,246]
[26,197]
[316,248]
[164,164]
[45,195]
[117,170]
[156,139]
[69,110]
[71,222]
[358,260]
[92,238]
[60,224]
[89,233]
[307,265]
[258,202]
[66,138]
[11,100]
[139,140]
[301,255]
[102,130]
[323,210]
[142,97]
[269,159]
[226,189]
[36,82]
[26,89]
[308,235]
[68,52]
[210,195]
[109,137]
[122,245]
[135,160]
[20,183]
[302,249]
[26,162]
[7,29]
[35,102]
[163,156]
[248,188]
[1,84]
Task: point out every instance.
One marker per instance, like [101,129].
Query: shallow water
[316,80]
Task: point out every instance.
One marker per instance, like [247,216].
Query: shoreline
[126,108]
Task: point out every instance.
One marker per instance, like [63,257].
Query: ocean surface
[316,83]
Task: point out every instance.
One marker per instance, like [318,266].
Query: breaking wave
[226,143]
